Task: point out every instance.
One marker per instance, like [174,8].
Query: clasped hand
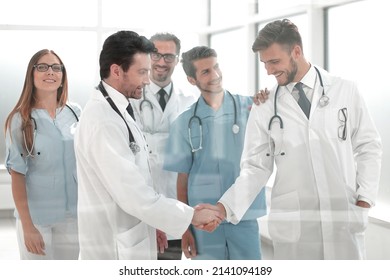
[207,217]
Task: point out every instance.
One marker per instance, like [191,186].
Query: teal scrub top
[214,168]
[51,180]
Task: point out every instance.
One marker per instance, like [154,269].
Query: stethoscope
[147,103]
[30,151]
[133,145]
[235,127]
[324,101]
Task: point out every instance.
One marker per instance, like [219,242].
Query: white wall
[6,200]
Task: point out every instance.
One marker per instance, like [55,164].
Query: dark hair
[120,48]
[282,32]
[196,53]
[167,37]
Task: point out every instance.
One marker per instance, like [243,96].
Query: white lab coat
[118,209]
[313,213]
[156,124]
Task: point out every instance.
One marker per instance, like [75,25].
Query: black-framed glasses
[43,67]
[343,117]
[168,57]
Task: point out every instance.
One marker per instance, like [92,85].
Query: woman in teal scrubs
[204,147]
[40,158]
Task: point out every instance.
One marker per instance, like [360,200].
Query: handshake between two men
[207,217]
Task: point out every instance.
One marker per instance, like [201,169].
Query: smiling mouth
[216,82]
[278,75]
[160,70]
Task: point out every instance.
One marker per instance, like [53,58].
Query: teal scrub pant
[229,242]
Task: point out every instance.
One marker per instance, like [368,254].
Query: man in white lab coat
[118,208]
[154,113]
[326,149]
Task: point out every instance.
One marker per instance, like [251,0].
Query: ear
[191,80]
[297,51]
[115,70]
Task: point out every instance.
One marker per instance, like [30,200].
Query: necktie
[130,110]
[303,102]
[162,101]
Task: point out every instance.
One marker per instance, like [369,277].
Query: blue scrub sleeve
[178,155]
[14,147]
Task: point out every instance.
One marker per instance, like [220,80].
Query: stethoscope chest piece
[324,100]
[134,147]
[235,128]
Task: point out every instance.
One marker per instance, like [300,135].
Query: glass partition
[357,51]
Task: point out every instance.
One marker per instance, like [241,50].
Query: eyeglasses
[43,67]
[168,57]
[343,116]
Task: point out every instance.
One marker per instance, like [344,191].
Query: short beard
[291,75]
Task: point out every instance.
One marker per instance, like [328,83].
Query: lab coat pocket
[358,219]
[336,123]
[284,218]
[134,243]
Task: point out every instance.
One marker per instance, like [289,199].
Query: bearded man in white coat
[327,154]
[118,208]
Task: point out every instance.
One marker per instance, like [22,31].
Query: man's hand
[363,204]
[207,217]
[261,96]
[188,244]
[162,241]
[219,208]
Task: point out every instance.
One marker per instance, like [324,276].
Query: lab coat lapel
[171,107]
[291,105]
[152,98]
[318,90]
[316,99]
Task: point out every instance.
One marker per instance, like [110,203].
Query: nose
[146,80]
[216,74]
[268,68]
[50,71]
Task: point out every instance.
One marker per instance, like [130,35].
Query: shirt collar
[308,80]
[155,88]
[119,99]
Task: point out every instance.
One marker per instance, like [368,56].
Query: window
[75,30]
[357,51]
[231,58]
[46,13]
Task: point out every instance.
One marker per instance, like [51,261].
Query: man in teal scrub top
[204,147]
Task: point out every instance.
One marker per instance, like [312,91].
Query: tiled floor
[8,244]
